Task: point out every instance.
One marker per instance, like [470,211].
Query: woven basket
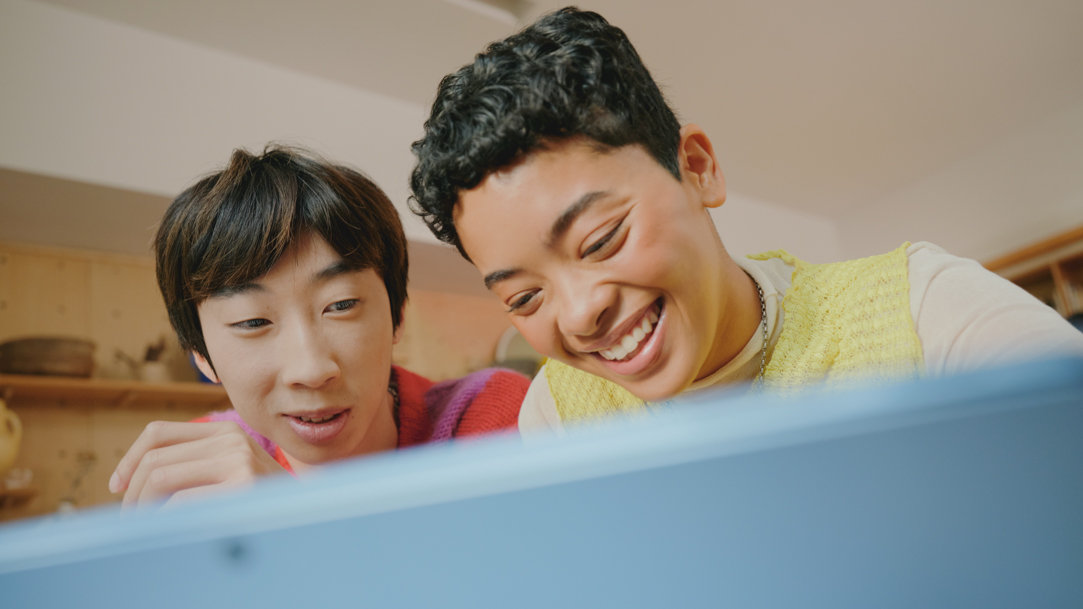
[54,356]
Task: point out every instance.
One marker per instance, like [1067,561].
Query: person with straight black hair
[285,276]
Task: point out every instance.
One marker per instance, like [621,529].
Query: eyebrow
[233,290]
[498,276]
[339,267]
[556,231]
[564,222]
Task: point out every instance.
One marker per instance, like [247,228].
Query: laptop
[963,491]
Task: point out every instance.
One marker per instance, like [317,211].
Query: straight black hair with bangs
[233,226]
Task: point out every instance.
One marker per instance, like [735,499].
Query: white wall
[100,102]
[750,226]
[92,100]
[1025,188]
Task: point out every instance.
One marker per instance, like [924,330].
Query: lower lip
[648,353]
[319,433]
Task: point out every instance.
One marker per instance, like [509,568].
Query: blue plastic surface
[951,492]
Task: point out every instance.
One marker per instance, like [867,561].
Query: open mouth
[319,427]
[630,343]
[319,419]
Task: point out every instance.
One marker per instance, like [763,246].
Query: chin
[309,456]
[664,388]
[656,395]
[652,390]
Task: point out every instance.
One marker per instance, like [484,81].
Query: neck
[739,320]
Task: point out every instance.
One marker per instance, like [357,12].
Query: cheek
[243,366]
[251,387]
[658,257]
[368,344]
[538,334]
[248,375]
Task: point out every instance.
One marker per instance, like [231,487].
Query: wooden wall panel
[72,450]
[127,315]
[449,335]
[52,437]
[43,293]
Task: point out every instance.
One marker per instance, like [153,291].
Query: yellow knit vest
[844,321]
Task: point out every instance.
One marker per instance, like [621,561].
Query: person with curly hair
[555,165]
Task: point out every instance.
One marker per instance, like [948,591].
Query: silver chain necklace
[763,324]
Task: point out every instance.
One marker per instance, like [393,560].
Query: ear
[699,165]
[205,367]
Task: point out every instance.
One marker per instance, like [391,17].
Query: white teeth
[320,420]
[631,340]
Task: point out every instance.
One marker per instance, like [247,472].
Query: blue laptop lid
[959,491]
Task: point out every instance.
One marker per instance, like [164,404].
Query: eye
[342,305]
[251,324]
[524,303]
[607,244]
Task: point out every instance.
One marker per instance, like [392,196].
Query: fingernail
[114,483]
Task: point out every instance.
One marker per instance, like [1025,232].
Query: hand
[176,461]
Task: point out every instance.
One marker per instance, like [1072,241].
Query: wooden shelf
[24,390]
[16,497]
[1051,269]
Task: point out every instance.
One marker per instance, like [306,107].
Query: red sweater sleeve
[497,406]
[481,402]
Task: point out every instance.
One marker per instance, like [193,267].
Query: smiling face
[608,263]
[304,353]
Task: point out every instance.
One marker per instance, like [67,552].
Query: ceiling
[821,106]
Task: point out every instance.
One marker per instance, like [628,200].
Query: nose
[307,359]
[584,308]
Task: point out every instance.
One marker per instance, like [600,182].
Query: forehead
[541,186]
[309,259]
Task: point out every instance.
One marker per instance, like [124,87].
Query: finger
[215,448]
[158,434]
[227,469]
[200,492]
[164,482]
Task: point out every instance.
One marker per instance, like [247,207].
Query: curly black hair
[570,74]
